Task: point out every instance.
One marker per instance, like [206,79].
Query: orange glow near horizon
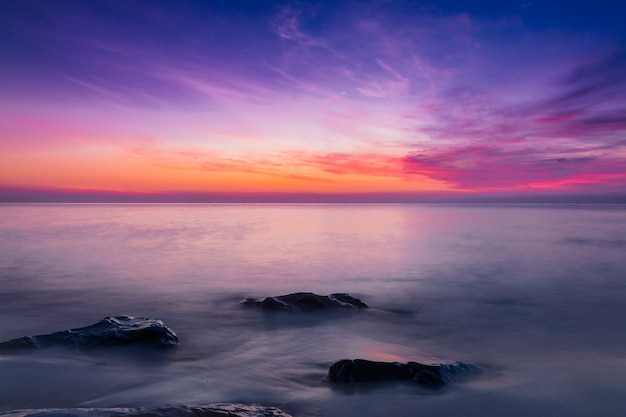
[110,169]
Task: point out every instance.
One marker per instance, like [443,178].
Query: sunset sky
[262,98]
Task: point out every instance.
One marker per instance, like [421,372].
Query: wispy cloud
[574,133]
[591,99]
[484,168]
[211,161]
[376,165]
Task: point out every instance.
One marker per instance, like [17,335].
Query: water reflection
[534,295]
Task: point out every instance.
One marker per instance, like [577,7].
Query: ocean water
[535,295]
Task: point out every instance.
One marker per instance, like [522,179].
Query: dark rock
[307,301]
[211,410]
[434,376]
[118,330]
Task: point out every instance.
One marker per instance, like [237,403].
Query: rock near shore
[433,376]
[308,301]
[211,410]
[113,330]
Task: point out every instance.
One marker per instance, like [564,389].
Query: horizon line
[10,194]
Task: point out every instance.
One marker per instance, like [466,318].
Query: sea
[533,294]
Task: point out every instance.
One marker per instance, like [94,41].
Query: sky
[344,100]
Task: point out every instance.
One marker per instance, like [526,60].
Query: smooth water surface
[533,294]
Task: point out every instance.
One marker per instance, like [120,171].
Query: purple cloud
[484,168]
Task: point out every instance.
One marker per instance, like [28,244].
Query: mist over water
[533,294]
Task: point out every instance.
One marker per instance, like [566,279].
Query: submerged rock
[117,330]
[308,301]
[211,410]
[434,376]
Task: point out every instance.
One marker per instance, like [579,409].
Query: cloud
[484,167]
[593,98]
[215,161]
[344,163]
[287,25]
[300,165]
[571,135]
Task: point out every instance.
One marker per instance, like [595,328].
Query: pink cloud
[572,136]
[215,161]
[490,168]
[344,163]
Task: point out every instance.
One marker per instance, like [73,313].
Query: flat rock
[434,376]
[210,410]
[308,301]
[113,330]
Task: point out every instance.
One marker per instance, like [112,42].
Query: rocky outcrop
[117,330]
[308,301]
[211,410]
[433,376]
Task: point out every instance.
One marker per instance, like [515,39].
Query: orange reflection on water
[385,354]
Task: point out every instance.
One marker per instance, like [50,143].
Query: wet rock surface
[432,376]
[210,410]
[308,301]
[112,330]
